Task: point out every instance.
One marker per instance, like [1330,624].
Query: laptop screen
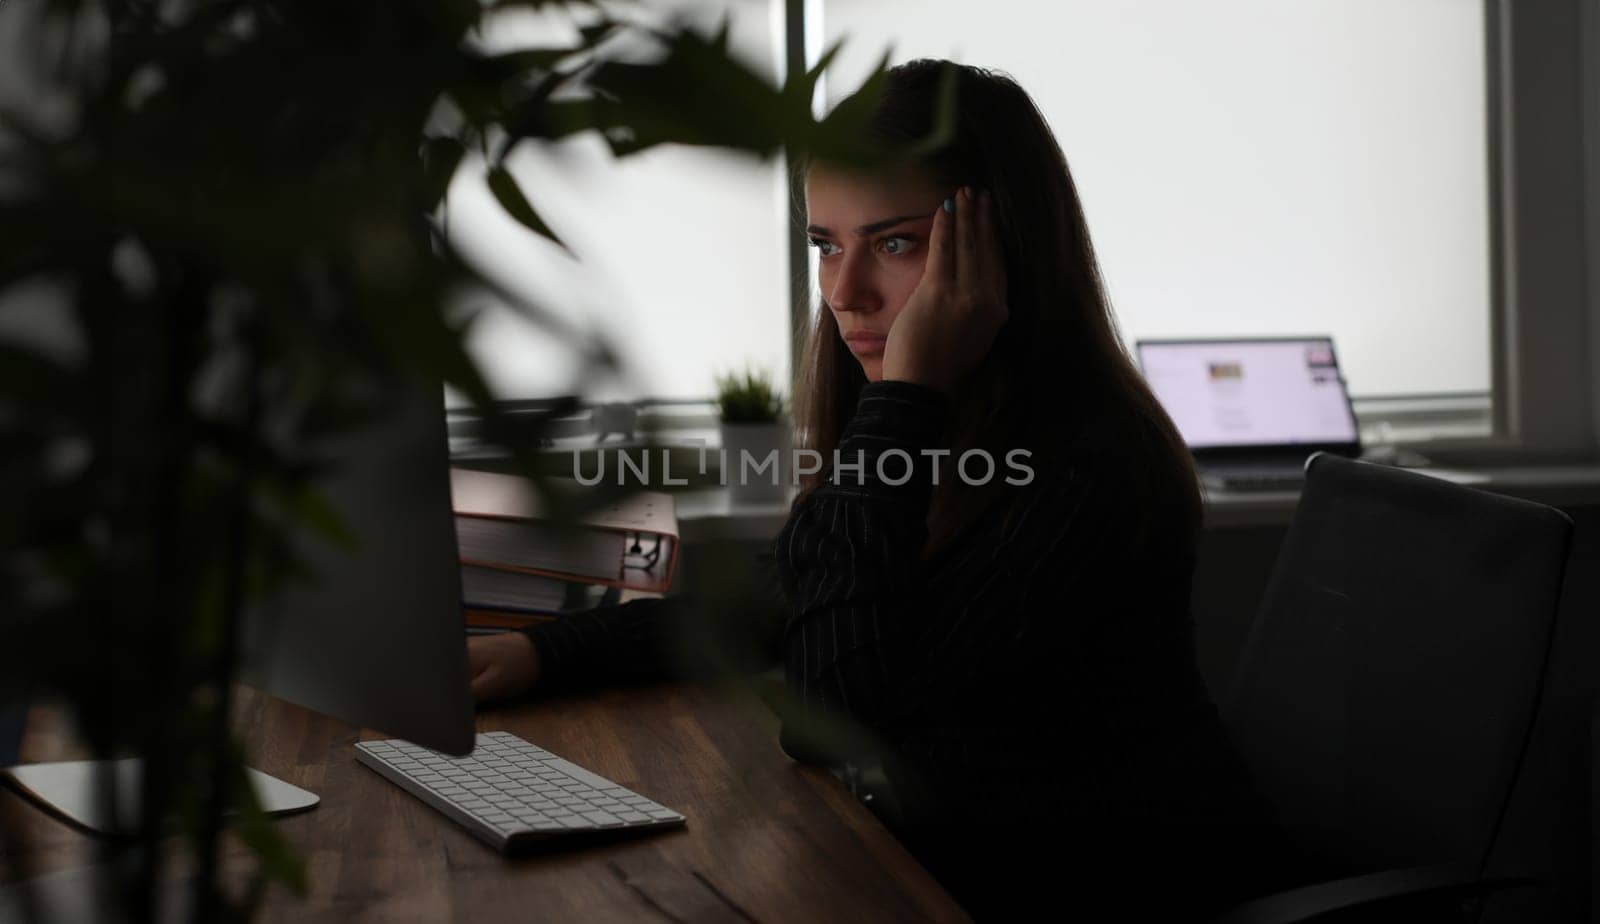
[1251,393]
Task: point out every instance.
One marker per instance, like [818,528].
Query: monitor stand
[68,789]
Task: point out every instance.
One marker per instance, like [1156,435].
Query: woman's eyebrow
[869,228]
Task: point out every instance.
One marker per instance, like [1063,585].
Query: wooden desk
[767,839]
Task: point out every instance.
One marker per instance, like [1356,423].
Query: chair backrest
[1384,696]
[12,720]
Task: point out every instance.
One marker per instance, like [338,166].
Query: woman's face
[871,235]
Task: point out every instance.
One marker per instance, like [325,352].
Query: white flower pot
[758,440]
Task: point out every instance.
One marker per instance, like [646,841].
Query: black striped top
[1036,674]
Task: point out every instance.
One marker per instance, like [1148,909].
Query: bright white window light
[682,262]
[1254,167]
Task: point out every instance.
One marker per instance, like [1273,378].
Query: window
[1253,167]
[1395,173]
[682,262]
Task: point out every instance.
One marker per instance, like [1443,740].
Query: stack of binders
[518,566]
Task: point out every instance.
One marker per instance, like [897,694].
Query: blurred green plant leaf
[719,41]
[509,195]
[239,178]
[279,861]
[597,32]
[550,120]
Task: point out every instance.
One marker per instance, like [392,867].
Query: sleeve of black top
[851,560]
[609,645]
[700,634]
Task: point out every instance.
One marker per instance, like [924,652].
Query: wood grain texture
[767,839]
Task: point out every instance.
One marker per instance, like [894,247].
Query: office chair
[1385,694]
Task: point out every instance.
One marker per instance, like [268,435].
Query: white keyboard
[508,791]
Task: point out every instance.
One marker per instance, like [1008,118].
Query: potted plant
[234,306]
[224,310]
[754,430]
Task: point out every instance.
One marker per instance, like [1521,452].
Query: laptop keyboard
[1265,478]
[1260,482]
[509,791]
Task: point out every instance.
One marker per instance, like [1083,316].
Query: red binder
[632,544]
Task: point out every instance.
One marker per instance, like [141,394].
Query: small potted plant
[752,416]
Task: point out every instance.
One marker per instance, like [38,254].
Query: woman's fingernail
[950,206]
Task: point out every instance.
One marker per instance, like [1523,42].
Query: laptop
[1253,410]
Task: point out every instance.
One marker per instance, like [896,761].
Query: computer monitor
[1253,396]
[376,639]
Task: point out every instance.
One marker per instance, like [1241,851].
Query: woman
[1010,642]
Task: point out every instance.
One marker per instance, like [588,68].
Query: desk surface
[767,839]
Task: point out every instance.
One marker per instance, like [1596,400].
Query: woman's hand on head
[502,666]
[951,319]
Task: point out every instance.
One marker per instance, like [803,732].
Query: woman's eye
[823,247]
[894,246]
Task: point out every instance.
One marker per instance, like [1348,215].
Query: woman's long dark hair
[1058,381]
